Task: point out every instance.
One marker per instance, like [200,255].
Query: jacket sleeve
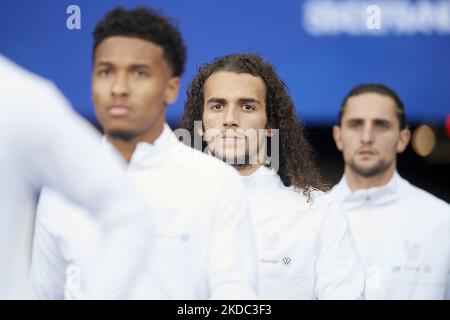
[447,293]
[232,255]
[339,270]
[48,265]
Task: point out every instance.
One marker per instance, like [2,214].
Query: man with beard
[304,246]
[402,232]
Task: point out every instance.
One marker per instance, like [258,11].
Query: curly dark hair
[145,24]
[296,167]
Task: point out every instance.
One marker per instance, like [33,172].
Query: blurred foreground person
[43,142]
[402,232]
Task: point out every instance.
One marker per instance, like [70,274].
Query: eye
[248,107]
[383,125]
[104,72]
[141,74]
[354,124]
[216,107]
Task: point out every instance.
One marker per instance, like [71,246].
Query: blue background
[319,71]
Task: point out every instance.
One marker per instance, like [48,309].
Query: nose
[367,134]
[231,117]
[120,86]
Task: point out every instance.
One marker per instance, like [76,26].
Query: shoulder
[422,200]
[324,211]
[202,164]
[327,207]
[317,203]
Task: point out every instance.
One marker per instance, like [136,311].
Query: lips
[118,110]
[232,138]
[232,135]
[366,153]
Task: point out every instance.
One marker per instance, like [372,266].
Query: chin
[120,133]
[369,170]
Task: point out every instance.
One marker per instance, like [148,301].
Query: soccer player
[248,119]
[402,232]
[203,247]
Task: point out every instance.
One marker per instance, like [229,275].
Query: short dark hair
[146,24]
[382,90]
[297,166]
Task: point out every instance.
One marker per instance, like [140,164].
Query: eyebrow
[248,100]
[354,120]
[218,100]
[377,120]
[103,63]
[241,100]
[139,66]
[132,67]
[381,121]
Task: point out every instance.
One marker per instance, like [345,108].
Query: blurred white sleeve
[66,239]
[339,271]
[447,295]
[65,155]
[232,255]
[48,264]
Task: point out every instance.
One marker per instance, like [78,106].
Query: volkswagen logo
[287,261]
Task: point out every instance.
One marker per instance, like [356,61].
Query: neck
[127,147]
[254,163]
[247,169]
[356,181]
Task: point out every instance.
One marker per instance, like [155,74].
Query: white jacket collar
[263,177]
[148,154]
[375,196]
